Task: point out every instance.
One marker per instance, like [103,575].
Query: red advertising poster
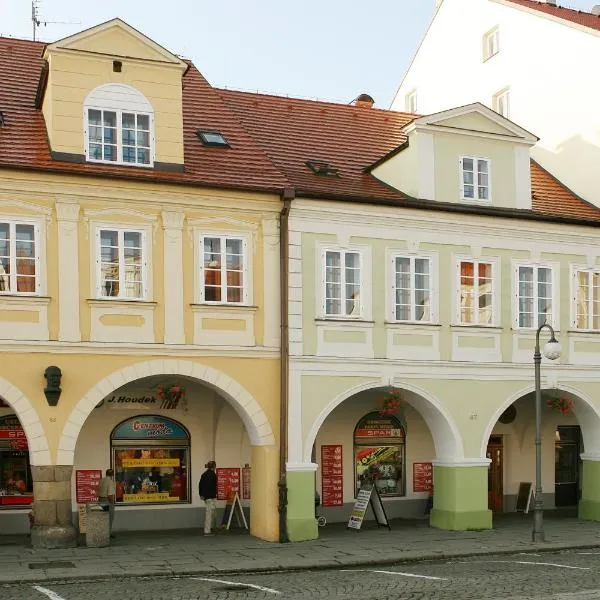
[422,477]
[246,483]
[86,485]
[228,483]
[332,478]
[12,435]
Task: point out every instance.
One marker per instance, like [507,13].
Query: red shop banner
[87,482]
[332,477]
[422,477]
[12,435]
[228,483]
[246,474]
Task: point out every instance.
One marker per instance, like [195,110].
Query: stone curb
[325,565]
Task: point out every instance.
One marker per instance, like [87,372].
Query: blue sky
[326,49]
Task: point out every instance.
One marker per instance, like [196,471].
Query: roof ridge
[26,40]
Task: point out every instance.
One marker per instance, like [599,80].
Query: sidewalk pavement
[188,552]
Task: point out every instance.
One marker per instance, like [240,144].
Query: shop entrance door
[495,478]
[566,465]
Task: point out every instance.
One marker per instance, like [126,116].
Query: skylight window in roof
[319,167]
[213,138]
[2,119]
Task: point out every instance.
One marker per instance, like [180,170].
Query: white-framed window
[19,257]
[501,103]
[491,43]
[342,287]
[535,296]
[476,292]
[119,126]
[121,263]
[412,288]
[475,178]
[586,298]
[224,277]
[410,102]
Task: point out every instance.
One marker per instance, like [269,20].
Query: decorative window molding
[121,256]
[491,43]
[585,298]
[536,295]
[20,257]
[501,102]
[412,284]
[477,291]
[119,126]
[475,178]
[224,273]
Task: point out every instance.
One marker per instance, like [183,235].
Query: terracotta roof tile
[579,17]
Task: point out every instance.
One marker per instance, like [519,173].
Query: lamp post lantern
[552,351]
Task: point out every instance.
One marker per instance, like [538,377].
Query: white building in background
[534,62]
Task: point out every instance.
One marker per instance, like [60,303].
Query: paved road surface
[569,575]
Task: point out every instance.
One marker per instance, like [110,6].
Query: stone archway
[39,451]
[248,409]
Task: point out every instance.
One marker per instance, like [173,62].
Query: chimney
[596,10]
[364,101]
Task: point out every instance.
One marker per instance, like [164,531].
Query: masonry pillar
[53,521]
[460,498]
[589,505]
[173,277]
[301,521]
[264,516]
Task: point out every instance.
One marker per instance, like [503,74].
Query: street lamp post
[551,351]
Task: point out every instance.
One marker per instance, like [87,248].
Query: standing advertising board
[332,479]
[228,483]
[368,495]
[234,506]
[525,496]
[422,477]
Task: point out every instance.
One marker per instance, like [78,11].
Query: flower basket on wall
[563,405]
[169,395]
[390,402]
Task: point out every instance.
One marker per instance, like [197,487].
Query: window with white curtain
[121,263]
[342,284]
[476,292]
[534,296]
[224,266]
[475,178]
[19,257]
[412,288]
[586,288]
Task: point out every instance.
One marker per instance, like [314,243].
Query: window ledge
[344,322]
[584,332]
[458,326]
[417,324]
[24,299]
[531,332]
[104,302]
[223,307]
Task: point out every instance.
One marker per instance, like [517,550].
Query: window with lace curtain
[19,257]
[412,288]
[586,292]
[535,291]
[224,268]
[121,264]
[476,292]
[341,284]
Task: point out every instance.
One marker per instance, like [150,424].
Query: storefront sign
[228,483]
[149,427]
[375,426]
[12,435]
[139,402]
[156,497]
[87,482]
[332,479]
[150,462]
[246,475]
[422,477]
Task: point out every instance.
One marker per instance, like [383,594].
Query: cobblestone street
[568,575]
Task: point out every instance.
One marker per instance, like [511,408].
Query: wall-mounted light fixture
[52,389]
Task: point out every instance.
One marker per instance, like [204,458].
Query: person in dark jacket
[207,488]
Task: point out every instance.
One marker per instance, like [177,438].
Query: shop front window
[151,460]
[16,484]
[379,454]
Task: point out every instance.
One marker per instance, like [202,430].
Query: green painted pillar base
[460,499]
[589,505]
[301,521]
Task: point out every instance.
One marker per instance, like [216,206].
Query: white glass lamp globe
[552,350]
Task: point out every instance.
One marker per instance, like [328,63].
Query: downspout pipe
[287,196]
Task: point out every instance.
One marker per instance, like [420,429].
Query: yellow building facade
[154,293]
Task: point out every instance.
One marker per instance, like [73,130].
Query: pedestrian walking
[207,489]
[106,496]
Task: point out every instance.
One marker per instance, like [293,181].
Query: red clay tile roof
[568,14]
[271,139]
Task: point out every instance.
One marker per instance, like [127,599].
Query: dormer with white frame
[466,155]
[119,108]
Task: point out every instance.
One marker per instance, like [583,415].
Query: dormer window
[491,43]
[119,127]
[475,178]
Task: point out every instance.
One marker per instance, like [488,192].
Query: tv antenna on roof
[35,5]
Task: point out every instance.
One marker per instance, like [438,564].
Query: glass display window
[380,454]
[151,461]
[16,483]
